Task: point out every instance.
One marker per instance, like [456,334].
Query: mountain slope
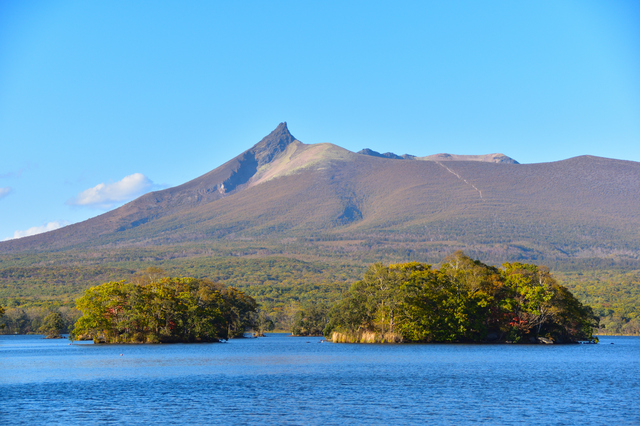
[281,189]
[228,178]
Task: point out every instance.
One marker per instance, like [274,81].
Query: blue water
[299,381]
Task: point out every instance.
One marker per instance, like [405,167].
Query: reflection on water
[286,380]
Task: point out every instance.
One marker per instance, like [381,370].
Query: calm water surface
[300,381]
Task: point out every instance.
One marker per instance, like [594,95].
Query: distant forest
[33,287]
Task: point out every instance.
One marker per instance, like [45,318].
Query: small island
[167,310]
[462,301]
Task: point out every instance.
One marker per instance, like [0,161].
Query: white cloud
[4,191]
[107,195]
[38,229]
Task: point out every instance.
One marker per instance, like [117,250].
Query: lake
[300,381]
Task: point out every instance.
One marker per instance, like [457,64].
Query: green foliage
[164,310]
[262,323]
[36,283]
[53,282]
[310,320]
[614,295]
[237,312]
[28,316]
[280,284]
[52,325]
[463,301]
[541,305]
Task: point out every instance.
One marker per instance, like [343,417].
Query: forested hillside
[281,285]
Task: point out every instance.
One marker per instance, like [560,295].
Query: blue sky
[103,101]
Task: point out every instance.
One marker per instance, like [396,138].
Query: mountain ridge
[284,190]
[490,158]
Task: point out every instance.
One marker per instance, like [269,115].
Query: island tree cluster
[163,310]
[462,301]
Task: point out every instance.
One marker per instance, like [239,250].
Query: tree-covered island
[166,310]
[463,301]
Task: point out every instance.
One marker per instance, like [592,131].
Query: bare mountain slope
[228,178]
[489,158]
[584,207]
[278,154]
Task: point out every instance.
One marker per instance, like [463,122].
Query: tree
[350,314]
[310,320]
[17,321]
[238,311]
[166,310]
[150,275]
[262,323]
[103,309]
[462,301]
[52,325]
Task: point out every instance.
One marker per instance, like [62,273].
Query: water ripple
[282,380]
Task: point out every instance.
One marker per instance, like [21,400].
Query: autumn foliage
[163,310]
[462,301]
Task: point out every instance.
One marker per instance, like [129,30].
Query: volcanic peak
[273,144]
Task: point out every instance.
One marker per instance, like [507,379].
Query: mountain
[324,201]
[489,158]
[373,153]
